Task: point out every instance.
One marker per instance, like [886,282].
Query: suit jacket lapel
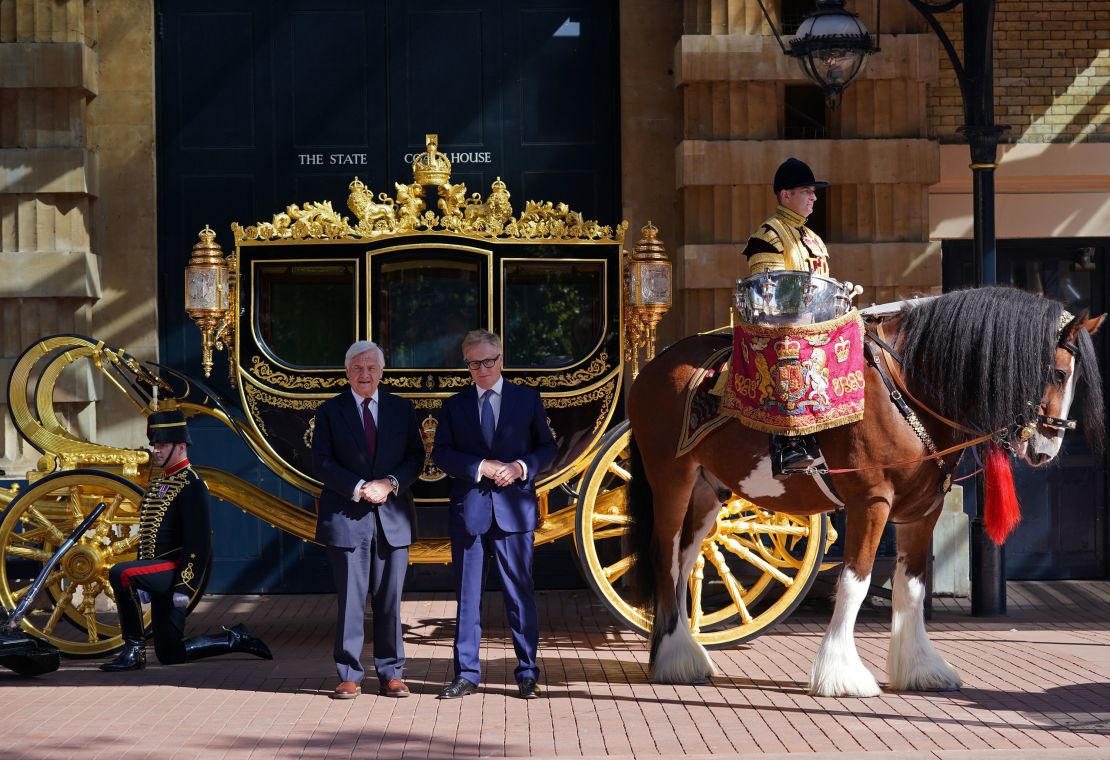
[352,415]
[471,417]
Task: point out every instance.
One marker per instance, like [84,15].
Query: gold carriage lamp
[647,295]
[207,299]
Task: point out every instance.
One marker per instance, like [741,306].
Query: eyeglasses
[487,363]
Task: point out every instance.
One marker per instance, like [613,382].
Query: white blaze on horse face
[1043,448]
[760,483]
[912,663]
[837,670]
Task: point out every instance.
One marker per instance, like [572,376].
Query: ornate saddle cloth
[796,379]
[702,414]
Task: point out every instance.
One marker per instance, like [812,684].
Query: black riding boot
[131,657]
[789,455]
[235,639]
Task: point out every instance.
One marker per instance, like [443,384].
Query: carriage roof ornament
[431,167]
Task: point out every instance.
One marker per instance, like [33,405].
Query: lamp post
[830,34]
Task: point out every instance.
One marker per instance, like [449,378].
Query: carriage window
[553,312]
[305,312]
[423,307]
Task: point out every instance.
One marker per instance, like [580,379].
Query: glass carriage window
[553,313]
[305,312]
[422,308]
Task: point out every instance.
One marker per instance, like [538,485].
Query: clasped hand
[502,473]
[376,491]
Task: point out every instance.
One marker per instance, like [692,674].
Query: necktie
[369,428]
[487,417]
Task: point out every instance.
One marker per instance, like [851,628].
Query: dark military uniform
[175,543]
[174,548]
[784,242]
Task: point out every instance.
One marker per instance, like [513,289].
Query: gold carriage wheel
[69,609]
[753,570]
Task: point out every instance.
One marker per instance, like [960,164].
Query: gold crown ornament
[842,347]
[431,167]
[788,349]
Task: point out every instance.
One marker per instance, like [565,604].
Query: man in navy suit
[368,452]
[493,440]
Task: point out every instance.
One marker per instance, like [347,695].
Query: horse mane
[1089,391]
[984,356]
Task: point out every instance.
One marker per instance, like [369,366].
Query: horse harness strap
[897,398]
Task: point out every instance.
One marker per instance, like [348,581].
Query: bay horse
[993,360]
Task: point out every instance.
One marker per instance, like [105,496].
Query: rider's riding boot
[235,639]
[789,456]
[131,657]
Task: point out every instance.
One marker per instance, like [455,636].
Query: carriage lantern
[207,299]
[648,295]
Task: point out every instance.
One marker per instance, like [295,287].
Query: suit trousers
[512,553]
[155,576]
[379,568]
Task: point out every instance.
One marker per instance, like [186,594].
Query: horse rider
[175,543]
[784,242]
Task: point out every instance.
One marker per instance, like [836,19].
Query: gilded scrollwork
[264,372]
[406,213]
[603,393]
[427,403]
[404,382]
[598,367]
[256,398]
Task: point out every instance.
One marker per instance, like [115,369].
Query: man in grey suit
[367,451]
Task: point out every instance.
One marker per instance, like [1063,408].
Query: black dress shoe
[529,689]
[789,456]
[460,687]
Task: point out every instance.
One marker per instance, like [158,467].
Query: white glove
[180,601]
[144,597]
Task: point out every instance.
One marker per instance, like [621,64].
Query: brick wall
[1052,73]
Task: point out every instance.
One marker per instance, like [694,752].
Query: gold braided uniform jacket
[174,525]
[784,242]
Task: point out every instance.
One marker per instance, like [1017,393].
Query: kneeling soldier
[174,546]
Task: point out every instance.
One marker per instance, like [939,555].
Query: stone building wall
[1052,73]
[76,196]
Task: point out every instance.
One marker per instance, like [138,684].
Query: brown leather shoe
[346,690]
[394,687]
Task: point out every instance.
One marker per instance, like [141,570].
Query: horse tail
[641,508]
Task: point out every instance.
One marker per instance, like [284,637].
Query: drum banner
[797,379]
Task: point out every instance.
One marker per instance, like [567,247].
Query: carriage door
[1064,529]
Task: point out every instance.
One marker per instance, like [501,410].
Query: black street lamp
[832,45]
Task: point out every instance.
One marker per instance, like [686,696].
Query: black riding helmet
[167,427]
[793,173]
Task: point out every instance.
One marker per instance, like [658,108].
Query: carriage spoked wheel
[755,567]
[73,610]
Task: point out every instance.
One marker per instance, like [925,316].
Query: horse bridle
[1025,430]
[1058,423]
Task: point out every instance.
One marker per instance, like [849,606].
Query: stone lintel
[48,65]
[49,274]
[719,265]
[840,162]
[749,57]
[47,170]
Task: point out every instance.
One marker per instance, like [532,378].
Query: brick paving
[1036,685]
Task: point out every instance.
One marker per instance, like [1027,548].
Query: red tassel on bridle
[1001,511]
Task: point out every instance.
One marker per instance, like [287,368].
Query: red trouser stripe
[157,567]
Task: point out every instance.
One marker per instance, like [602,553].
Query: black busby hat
[793,173]
[167,427]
